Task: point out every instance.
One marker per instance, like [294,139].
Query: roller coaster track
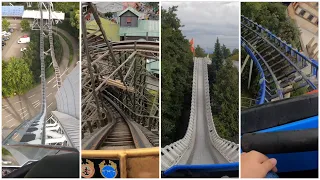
[282,69]
[34,131]
[201,143]
[119,109]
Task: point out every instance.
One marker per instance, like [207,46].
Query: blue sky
[205,21]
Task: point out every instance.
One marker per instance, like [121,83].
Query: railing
[228,149]
[172,154]
[294,53]
[262,81]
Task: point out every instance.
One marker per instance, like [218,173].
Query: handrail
[262,81]
[288,49]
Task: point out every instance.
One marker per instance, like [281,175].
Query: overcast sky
[205,21]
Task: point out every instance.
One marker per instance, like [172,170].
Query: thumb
[269,164]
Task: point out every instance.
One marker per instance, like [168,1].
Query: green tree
[16,77]
[235,51]
[5,24]
[273,17]
[75,19]
[25,25]
[200,52]
[66,7]
[225,51]
[225,99]
[177,70]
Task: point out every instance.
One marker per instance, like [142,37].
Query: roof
[70,126]
[144,26]
[12,11]
[68,100]
[130,9]
[153,66]
[32,14]
[104,7]
[111,29]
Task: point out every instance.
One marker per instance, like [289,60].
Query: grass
[69,45]
[5,152]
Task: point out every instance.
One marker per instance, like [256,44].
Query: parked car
[6,38]
[24,40]
[23,49]
[4,43]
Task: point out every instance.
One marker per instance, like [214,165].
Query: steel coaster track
[201,143]
[116,96]
[282,69]
[33,131]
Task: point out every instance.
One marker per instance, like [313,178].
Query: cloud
[207,21]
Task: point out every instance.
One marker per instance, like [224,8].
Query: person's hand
[256,165]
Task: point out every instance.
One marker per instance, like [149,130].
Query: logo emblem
[108,170]
[87,169]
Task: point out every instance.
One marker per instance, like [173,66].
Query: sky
[207,21]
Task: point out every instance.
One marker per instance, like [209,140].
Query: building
[133,26]
[12,11]
[305,15]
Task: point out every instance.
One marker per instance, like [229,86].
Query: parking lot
[12,48]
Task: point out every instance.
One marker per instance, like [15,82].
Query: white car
[6,162]
[23,49]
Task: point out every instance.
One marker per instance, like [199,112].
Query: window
[129,20]
[310,17]
[302,12]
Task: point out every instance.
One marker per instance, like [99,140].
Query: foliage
[299,91]
[177,68]
[75,19]
[25,25]
[5,152]
[273,17]
[235,51]
[224,93]
[217,61]
[108,15]
[32,54]
[16,77]
[200,52]
[225,51]
[69,46]
[66,7]
[5,24]
[66,26]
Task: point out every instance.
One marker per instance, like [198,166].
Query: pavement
[17,109]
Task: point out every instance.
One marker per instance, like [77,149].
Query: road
[12,48]
[17,109]
[203,150]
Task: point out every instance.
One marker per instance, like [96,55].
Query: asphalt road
[12,48]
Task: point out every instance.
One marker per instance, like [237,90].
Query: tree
[199,52]
[225,99]
[176,77]
[25,25]
[225,51]
[16,77]
[273,17]
[75,19]
[66,7]
[5,24]
[235,51]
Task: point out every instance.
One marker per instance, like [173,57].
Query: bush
[25,25]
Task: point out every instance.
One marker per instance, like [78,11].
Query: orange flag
[192,46]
